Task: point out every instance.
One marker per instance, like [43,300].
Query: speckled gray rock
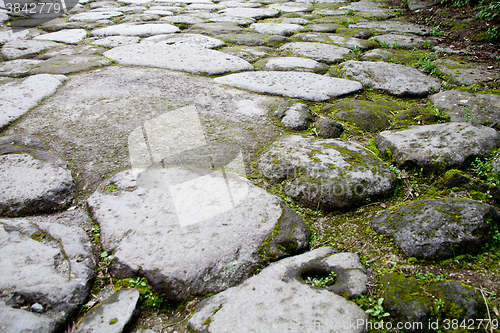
[18,67]
[254,13]
[297,117]
[113,315]
[249,53]
[395,79]
[400,41]
[68,36]
[461,106]
[292,7]
[319,52]
[438,229]
[353,43]
[394,26]
[467,73]
[190,59]
[438,147]
[138,30]
[75,64]
[17,97]
[25,48]
[293,64]
[114,41]
[93,16]
[289,304]
[47,260]
[307,86]
[276,28]
[186,39]
[329,129]
[222,239]
[329,174]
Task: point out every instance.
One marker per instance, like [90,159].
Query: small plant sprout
[377,311]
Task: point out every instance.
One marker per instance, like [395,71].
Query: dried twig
[487,309]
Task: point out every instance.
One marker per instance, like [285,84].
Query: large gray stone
[68,36]
[466,73]
[329,174]
[93,16]
[319,52]
[25,48]
[115,41]
[18,67]
[307,86]
[278,300]
[254,13]
[439,229]
[223,226]
[395,79]
[113,315]
[394,26]
[7,35]
[353,43]
[47,260]
[17,97]
[400,41]
[291,7]
[33,186]
[187,40]
[276,28]
[190,59]
[65,65]
[293,64]
[468,107]
[438,147]
[137,30]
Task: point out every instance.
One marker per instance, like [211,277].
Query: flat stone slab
[438,229]
[394,26]
[17,97]
[138,30]
[327,174]
[400,41]
[353,43]
[234,227]
[249,53]
[25,48]
[289,304]
[440,146]
[254,13]
[464,73]
[68,65]
[189,59]
[113,315]
[47,260]
[187,40]
[307,86]
[33,186]
[320,52]
[293,64]
[7,35]
[93,16]
[68,36]
[292,7]
[395,79]
[18,67]
[283,29]
[115,41]
[462,106]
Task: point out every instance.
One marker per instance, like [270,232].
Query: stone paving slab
[394,26]
[138,30]
[25,48]
[186,39]
[320,52]
[68,36]
[18,67]
[182,58]
[307,86]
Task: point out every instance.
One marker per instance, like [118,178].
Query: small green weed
[111,188]
[484,169]
[429,277]
[322,282]
[377,310]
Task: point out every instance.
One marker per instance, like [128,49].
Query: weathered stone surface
[324,27]
[215,29]
[254,39]
[184,58]
[33,186]
[137,30]
[461,106]
[307,86]
[95,16]
[394,26]
[419,4]
[276,28]
[439,146]
[369,9]
[115,41]
[388,55]
[17,97]
[234,222]
[68,36]
[293,64]
[25,48]
[7,35]
[47,260]
[353,43]
[465,73]
[438,229]
[367,115]
[187,40]
[319,52]
[292,7]
[249,53]
[254,13]
[400,41]
[329,129]
[329,174]
[113,315]
[63,65]
[395,79]
[18,67]
[289,303]
[410,301]
[295,116]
